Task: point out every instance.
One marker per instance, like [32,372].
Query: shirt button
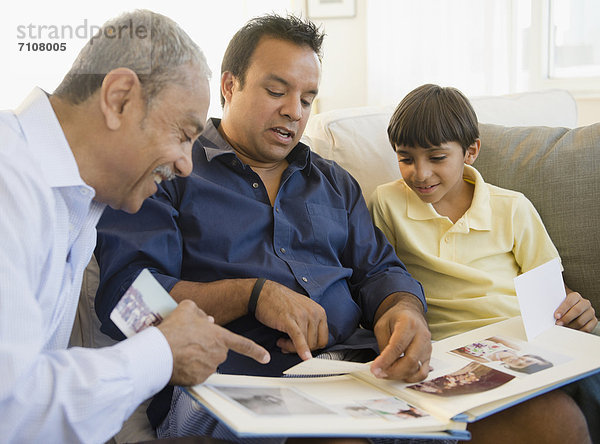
[282,250]
[255,185]
[304,279]
[446,239]
[277,210]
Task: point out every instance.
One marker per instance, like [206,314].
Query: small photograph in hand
[145,303]
[276,401]
[473,378]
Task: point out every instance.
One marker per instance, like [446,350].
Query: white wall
[344,79]
[588,109]
[211,24]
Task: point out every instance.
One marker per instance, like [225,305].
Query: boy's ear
[472,152]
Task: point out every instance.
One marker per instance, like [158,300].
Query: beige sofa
[528,145]
[511,157]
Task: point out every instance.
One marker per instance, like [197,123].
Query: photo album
[472,375]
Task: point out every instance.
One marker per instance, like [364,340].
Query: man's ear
[228,85]
[472,152]
[120,88]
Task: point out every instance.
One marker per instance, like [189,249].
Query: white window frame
[539,52]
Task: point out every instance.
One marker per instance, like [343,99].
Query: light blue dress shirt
[47,235]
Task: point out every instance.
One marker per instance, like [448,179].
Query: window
[487,47]
[564,46]
[574,39]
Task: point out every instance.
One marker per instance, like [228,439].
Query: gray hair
[150,44]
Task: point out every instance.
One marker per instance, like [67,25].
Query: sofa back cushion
[356,138]
[557,169]
[553,107]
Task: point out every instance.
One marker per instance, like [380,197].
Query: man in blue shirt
[273,241]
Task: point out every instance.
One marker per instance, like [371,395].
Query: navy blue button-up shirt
[218,223]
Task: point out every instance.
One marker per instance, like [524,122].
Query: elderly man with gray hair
[123,119]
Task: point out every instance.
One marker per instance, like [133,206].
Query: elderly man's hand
[404,339]
[199,345]
[304,321]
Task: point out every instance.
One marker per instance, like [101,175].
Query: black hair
[291,28]
[431,115]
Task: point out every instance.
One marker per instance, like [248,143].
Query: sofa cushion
[553,107]
[557,169]
[86,329]
[356,138]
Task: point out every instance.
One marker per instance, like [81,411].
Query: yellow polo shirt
[466,268]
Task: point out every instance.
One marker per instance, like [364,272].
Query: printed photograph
[393,408]
[134,313]
[273,401]
[358,411]
[513,355]
[473,378]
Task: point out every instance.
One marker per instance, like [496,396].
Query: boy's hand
[576,312]
[404,339]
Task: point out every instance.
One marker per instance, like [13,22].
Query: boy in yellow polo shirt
[463,239]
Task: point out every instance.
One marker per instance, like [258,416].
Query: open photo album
[472,375]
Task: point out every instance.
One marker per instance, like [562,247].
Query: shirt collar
[215,145]
[47,140]
[478,216]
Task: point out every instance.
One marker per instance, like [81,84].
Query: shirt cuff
[150,362]
[382,288]
[167,282]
